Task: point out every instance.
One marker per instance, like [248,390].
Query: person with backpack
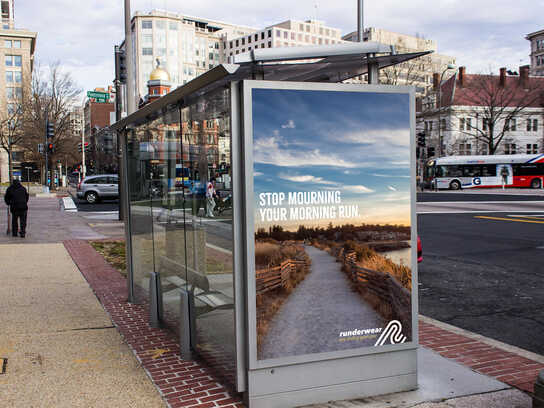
[16,198]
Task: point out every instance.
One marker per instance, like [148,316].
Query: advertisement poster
[332,220]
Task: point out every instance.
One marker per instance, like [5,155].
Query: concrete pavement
[61,346]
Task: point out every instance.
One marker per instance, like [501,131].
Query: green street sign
[98,95]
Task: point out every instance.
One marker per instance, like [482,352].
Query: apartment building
[290,33]
[460,118]
[417,72]
[537,52]
[17,48]
[185,46]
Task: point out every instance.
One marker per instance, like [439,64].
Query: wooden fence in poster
[276,277]
[394,299]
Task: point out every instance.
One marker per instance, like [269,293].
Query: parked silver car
[97,187]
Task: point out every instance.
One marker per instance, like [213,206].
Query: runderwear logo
[393,331]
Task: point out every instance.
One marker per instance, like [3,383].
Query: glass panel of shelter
[206,141]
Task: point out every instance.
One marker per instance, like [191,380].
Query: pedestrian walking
[16,198]
[210,197]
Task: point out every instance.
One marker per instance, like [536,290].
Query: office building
[17,48]
[537,52]
[417,72]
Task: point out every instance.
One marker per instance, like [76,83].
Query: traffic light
[50,148]
[49,130]
[120,65]
[86,147]
[430,151]
[421,139]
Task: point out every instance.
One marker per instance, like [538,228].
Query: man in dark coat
[17,198]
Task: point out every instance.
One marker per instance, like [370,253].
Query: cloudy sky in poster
[354,142]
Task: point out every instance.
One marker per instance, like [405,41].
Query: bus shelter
[271,222]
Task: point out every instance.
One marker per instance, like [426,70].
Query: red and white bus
[510,170]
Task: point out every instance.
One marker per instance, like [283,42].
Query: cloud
[267,150]
[289,125]
[395,137]
[358,189]
[391,188]
[306,179]
[388,175]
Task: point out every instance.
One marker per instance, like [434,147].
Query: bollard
[155,305]
[538,398]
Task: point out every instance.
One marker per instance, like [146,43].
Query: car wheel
[536,183]
[455,185]
[91,197]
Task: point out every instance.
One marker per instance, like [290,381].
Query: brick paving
[194,384]
[507,367]
[181,383]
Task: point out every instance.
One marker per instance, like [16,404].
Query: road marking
[509,219]
[529,217]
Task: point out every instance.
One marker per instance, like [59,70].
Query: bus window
[471,171]
[528,170]
[489,170]
[450,171]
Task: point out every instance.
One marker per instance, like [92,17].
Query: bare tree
[54,93]
[11,130]
[498,103]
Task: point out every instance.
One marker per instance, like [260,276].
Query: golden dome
[159,74]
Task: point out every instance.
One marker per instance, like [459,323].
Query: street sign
[98,95]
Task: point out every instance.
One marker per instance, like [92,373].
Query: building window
[509,148]
[14,93]
[160,25]
[269,33]
[278,34]
[173,25]
[485,125]
[7,44]
[243,41]
[532,148]
[510,125]
[147,24]
[237,43]
[147,39]
[286,35]
[465,149]
[293,36]
[443,124]
[147,51]
[532,125]
[269,44]
[249,40]
[262,35]
[13,60]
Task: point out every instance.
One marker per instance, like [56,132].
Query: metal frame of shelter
[286,381]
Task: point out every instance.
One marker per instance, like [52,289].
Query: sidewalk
[61,348]
[65,349]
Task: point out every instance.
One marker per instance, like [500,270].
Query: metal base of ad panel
[342,379]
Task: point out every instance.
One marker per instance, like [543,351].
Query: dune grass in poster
[332,220]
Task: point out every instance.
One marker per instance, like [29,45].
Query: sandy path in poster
[322,306]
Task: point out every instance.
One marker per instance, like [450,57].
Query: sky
[483,35]
[357,144]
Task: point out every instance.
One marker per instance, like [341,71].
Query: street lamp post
[441,149]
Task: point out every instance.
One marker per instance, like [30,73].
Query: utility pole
[360,21]
[45,144]
[83,167]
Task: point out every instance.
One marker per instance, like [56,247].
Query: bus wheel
[455,185]
[535,183]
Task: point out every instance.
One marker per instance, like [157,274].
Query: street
[482,268]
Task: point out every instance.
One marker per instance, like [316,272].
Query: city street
[482,268]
